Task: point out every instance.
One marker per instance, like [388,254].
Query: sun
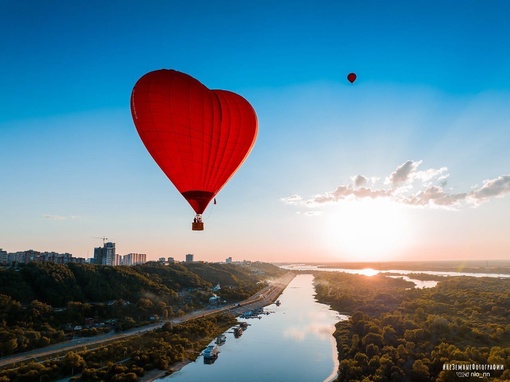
[367,230]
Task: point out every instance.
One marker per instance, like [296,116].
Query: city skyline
[105,255]
[410,162]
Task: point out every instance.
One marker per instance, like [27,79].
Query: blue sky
[430,106]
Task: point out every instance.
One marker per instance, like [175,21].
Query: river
[293,342]
[405,274]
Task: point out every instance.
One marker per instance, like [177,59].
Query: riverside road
[265,297]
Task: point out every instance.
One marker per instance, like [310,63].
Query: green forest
[47,303]
[126,359]
[459,330]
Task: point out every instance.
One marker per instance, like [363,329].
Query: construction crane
[104,239]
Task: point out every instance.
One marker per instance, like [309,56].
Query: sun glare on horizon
[369,272]
[368,230]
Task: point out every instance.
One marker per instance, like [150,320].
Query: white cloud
[403,173]
[359,180]
[407,185]
[54,217]
[292,199]
[59,217]
[429,175]
[434,196]
[491,188]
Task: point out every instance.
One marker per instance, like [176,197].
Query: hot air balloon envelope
[198,137]
[351,77]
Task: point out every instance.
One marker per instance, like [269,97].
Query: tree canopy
[398,333]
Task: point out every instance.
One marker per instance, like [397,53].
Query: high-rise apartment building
[30,255]
[109,255]
[106,255]
[134,258]
[189,258]
[98,255]
[4,259]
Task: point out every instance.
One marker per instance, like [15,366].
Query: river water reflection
[293,343]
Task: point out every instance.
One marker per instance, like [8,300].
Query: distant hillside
[56,284]
[45,303]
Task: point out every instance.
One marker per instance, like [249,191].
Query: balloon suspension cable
[210,212]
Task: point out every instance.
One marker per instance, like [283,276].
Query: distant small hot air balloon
[198,137]
[351,77]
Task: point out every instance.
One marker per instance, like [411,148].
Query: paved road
[263,298]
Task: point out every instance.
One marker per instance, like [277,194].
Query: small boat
[211,352]
[238,332]
[221,339]
[210,361]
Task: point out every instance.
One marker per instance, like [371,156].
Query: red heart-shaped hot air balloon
[198,137]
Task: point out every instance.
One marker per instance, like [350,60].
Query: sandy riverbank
[153,375]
